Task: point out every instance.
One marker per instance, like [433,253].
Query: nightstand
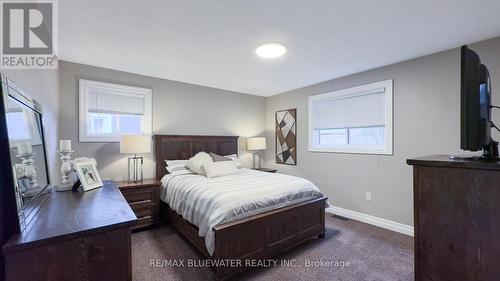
[144,199]
[265,170]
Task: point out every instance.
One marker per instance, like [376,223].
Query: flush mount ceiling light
[270,50]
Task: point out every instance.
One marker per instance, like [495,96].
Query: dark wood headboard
[180,147]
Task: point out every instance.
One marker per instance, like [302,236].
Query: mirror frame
[26,213]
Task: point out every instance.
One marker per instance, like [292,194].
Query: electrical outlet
[368,196]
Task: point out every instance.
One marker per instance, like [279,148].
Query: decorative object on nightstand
[135,145]
[266,170]
[256,144]
[66,169]
[144,199]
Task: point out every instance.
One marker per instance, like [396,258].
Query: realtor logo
[29,34]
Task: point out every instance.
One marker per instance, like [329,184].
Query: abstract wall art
[286,137]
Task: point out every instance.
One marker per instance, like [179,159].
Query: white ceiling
[212,42]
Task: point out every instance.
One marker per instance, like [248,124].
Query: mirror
[27,149]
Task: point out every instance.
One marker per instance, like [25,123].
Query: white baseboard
[380,222]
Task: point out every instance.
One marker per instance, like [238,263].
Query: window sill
[387,152]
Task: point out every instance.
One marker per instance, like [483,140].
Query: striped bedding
[208,202]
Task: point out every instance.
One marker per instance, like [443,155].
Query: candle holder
[30,173]
[66,171]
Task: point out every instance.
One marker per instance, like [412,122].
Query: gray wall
[178,108]
[426,121]
[42,85]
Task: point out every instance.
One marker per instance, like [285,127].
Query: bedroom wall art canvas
[286,137]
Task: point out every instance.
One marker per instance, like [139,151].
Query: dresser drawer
[139,196]
[144,217]
[141,205]
[143,222]
[145,213]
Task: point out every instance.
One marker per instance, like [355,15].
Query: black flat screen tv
[475,111]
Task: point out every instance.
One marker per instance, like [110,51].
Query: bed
[259,236]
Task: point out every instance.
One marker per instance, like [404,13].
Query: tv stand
[465,158]
[456,213]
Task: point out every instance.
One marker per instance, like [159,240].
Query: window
[354,120]
[108,111]
[22,124]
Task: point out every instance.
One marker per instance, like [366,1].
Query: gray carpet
[355,251]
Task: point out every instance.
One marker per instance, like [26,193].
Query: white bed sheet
[208,202]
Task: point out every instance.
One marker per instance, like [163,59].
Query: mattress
[207,202]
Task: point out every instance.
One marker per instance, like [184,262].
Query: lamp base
[135,168]
[256,161]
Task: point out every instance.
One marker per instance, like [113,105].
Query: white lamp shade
[256,143]
[135,144]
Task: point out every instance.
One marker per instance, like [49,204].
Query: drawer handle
[140,202]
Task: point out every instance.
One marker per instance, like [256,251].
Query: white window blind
[115,102]
[354,120]
[108,111]
[361,110]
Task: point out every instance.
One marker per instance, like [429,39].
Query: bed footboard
[266,235]
[261,236]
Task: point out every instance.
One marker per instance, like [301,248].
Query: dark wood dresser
[75,236]
[457,219]
[144,199]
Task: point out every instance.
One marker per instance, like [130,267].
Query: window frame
[84,85]
[386,149]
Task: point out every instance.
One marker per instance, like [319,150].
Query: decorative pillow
[177,167]
[218,158]
[221,168]
[199,161]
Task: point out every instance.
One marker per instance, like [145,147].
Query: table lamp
[135,145]
[256,144]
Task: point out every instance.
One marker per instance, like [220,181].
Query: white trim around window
[109,99]
[366,107]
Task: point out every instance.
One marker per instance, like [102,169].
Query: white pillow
[234,157]
[221,168]
[177,167]
[176,162]
[199,161]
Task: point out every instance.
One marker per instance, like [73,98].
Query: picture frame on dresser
[88,175]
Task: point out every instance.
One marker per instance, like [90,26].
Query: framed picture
[286,137]
[89,177]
